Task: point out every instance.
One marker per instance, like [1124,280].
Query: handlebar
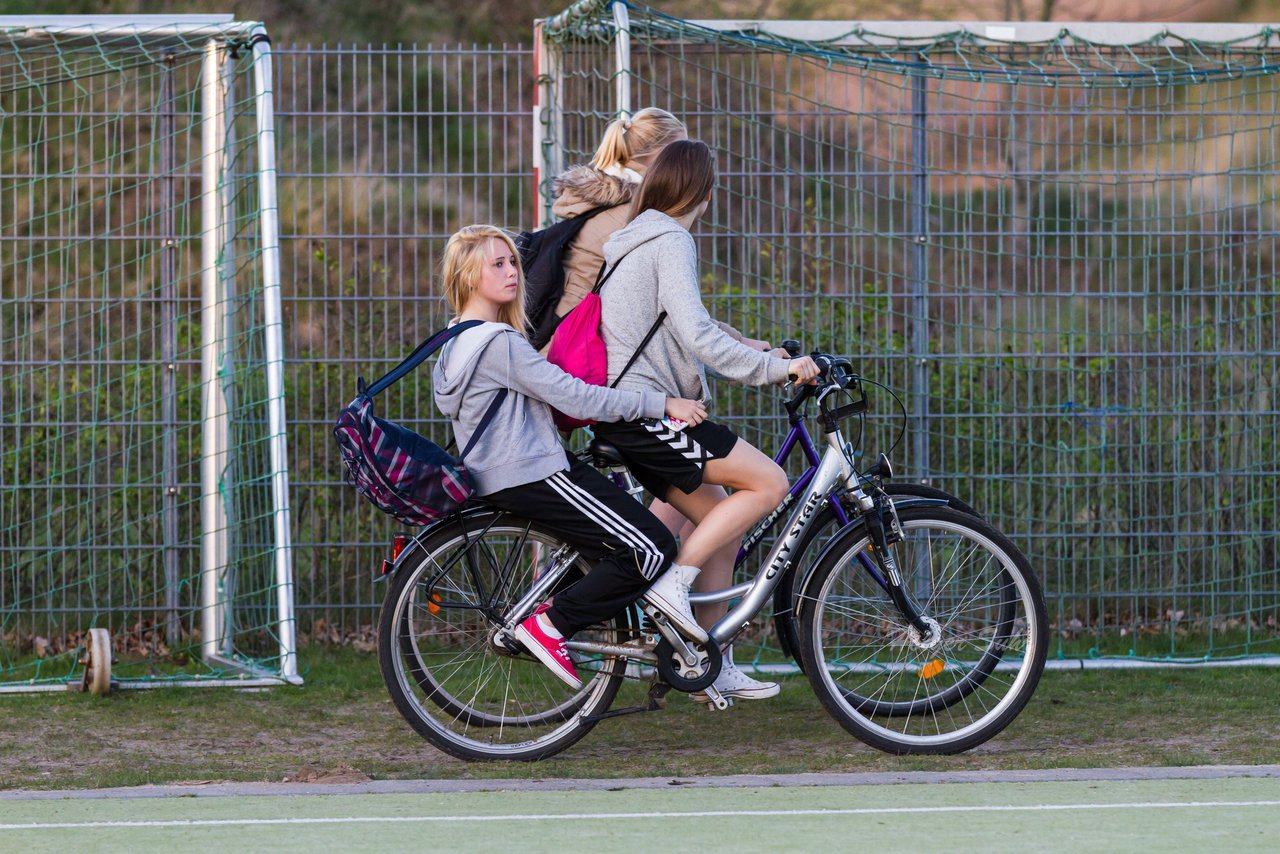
[834,373]
[840,391]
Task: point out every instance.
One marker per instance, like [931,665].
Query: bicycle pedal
[505,643]
[717,701]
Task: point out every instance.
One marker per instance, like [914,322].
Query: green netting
[1062,255]
[101,393]
[961,51]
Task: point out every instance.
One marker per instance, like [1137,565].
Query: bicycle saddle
[603,454]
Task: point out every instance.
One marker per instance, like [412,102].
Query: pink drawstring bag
[578,349]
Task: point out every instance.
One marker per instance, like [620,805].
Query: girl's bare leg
[717,571]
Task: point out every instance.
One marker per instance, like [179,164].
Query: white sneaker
[670,595]
[732,683]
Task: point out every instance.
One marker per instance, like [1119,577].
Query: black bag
[404,474]
[542,256]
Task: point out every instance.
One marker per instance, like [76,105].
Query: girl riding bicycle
[519,465]
[686,465]
[607,187]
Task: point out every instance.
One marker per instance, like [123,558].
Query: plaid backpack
[402,473]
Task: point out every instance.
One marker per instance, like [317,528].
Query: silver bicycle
[921,628]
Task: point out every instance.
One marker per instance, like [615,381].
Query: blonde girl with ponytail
[606,186]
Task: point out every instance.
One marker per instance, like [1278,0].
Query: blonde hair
[628,138]
[464,260]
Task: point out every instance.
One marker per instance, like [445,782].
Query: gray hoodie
[660,272]
[521,444]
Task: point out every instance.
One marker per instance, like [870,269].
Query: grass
[343,717]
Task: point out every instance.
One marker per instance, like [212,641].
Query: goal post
[1057,243]
[143,465]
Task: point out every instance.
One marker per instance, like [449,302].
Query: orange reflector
[433,604]
[932,669]
[397,545]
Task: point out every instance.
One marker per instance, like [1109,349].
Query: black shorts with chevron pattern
[661,458]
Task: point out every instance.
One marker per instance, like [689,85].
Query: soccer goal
[1056,242]
[144,512]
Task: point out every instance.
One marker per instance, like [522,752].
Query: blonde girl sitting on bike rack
[687,464]
[519,465]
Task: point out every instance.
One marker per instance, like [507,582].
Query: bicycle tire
[899,695]
[479,526]
[824,527]
[444,676]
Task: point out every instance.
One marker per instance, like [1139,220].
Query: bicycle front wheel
[903,691]
[466,695]
[823,528]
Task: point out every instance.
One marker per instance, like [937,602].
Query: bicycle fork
[884,531]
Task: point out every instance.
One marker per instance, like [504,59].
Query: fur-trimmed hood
[583,188]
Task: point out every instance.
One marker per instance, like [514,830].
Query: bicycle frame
[798,435]
[819,483]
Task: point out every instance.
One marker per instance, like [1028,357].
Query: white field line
[595,816]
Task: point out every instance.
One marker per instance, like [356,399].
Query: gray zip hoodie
[521,444]
[660,272]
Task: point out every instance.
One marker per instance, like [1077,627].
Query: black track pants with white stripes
[629,547]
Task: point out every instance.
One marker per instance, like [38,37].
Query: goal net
[1057,243]
[142,471]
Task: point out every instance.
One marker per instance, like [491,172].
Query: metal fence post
[169,352]
[918,270]
[548,123]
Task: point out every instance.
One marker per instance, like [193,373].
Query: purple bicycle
[920,627]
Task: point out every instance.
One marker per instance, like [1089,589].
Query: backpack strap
[417,357]
[485,421]
[653,330]
[603,277]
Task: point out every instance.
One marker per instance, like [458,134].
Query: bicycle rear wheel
[946,692]
[469,697]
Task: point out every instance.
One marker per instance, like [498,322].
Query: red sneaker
[547,649]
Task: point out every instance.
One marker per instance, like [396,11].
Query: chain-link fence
[383,152]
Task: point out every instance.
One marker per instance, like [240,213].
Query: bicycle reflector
[932,669]
[397,546]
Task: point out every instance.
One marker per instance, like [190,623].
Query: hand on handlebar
[803,370]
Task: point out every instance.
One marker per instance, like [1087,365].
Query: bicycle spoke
[916,691]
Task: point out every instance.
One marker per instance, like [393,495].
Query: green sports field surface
[1100,815]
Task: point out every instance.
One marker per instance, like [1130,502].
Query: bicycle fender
[416,544]
[906,501]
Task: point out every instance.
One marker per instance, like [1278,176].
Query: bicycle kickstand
[657,701]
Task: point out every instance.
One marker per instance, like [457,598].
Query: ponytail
[627,138]
[613,148]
